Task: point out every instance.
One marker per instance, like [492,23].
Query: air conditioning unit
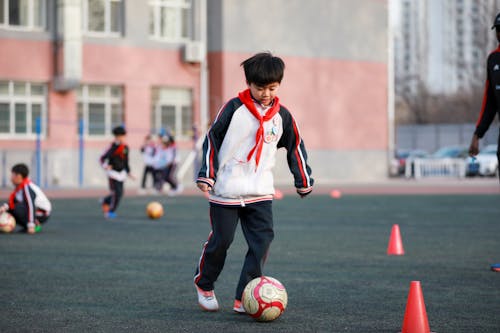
[194,52]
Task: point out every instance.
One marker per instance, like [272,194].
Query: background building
[442,45]
[142,63]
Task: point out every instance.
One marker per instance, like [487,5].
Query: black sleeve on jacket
[489,105]
[125,156]
[296,152]
[29,199]
[213,141]
[107,154]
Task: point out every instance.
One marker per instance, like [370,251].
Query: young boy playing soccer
[115,162]
[27,203]
[238,157]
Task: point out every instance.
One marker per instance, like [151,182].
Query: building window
[170,20]
[22,105]
[172,112]
[103,17]
[101,109]
[23,14]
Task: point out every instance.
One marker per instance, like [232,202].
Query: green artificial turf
[83,273]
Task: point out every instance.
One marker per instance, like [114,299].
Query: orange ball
[154,210]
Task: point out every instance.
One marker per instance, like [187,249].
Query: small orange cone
[395,247]
[336,194]
[415,320]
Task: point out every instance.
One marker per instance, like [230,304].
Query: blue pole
[38,151]
[80,151]
[4,168]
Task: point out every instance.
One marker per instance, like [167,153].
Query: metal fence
[441,168]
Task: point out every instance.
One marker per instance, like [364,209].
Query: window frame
[178,104]
[108,100]
[107,20]
[156,6]
[31,17]
[28,99]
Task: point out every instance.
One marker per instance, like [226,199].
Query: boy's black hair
[21,169]
[263,69]
[119,130]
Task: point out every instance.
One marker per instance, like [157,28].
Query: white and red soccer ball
[7,223]
[264,298]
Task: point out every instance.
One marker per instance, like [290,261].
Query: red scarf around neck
[247,100]
[19,187]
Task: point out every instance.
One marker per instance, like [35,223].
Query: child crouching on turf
[115,162]
[27,203]
[239,153]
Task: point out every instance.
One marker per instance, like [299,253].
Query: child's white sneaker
[238,307]
[207,300]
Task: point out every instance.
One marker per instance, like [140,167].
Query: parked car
[472,167]
[487,160]
[445,162]
[451,152]
[404,156]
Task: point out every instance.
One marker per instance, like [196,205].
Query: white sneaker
[238,307]
[207,300]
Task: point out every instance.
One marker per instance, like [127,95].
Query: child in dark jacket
[115,162]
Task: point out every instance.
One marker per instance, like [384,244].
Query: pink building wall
[136,69]
[338,104]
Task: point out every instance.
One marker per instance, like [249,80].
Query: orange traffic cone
[395,246]
[415,320]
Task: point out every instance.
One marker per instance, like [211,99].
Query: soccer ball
[154,210]
[7,223]
[264,298]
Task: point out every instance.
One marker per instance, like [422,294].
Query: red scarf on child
[247,100]
[19,187]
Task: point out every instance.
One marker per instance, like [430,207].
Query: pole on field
[45,171]
[196,163]
[38,150]
[4,169]
[80,152]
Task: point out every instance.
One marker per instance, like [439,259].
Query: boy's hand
[204,187]
[304,191]
[131,176]
[474,146]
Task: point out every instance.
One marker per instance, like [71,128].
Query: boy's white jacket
[234,179]
[35,200]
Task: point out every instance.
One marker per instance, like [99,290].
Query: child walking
[239,154]
[27,203]
[148,150]
[115,162]
[171,169]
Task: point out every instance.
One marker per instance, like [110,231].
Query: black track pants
[257,225]
[113,199]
